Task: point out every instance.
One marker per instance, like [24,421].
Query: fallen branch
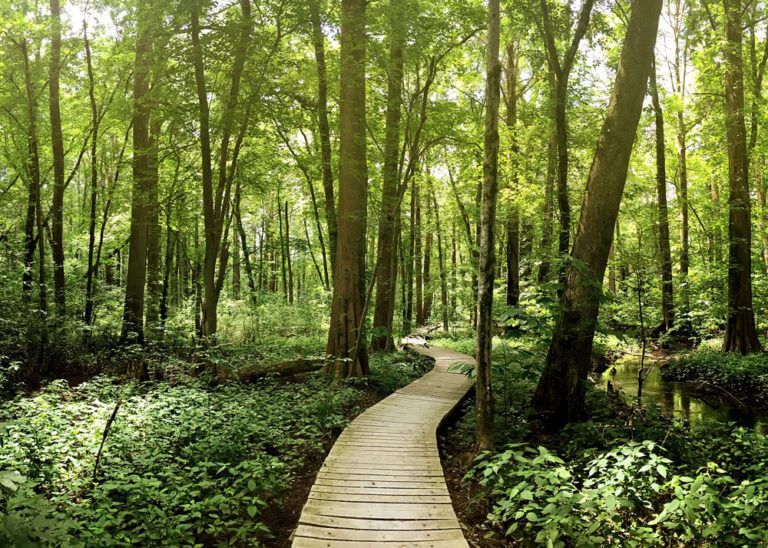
[282,369]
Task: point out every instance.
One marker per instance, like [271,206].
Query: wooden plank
[331,533]
[381,511]
[433,484]
[372,498]
[354,490]
[378,525]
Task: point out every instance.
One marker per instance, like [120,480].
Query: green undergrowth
[745,377]
[184,463]
[626,476]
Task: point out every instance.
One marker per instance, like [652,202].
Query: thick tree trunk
[57,146]
[485,271]
[318,40]
[133,315]
[561,388]
[390,203]
[667,302]
[740,334]
[349,273]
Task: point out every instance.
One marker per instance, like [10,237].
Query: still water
[677,399]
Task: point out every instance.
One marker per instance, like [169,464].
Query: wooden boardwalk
[383,482]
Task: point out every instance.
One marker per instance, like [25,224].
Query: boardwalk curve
[382,481]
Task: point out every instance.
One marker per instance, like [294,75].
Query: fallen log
[281,369]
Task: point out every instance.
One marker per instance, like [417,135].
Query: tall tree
[57,144]
[133,315]
[561,70]
[344,340]
[740,333]
[216,200]
[383,313]
[513,221]
[561,388]
[318,41]
[667,301]
[486,266]
[679,76]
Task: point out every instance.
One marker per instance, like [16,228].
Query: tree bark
[390,203]
[441,265]
[426,278]
[349,273]
[89,303]
[318,41]
[288,255]
[154,263]
[513,222]
[679,74]
[740,333]
[133,315]
[57,146]
[485,271]
[561,388]
[418,265]
[667,301]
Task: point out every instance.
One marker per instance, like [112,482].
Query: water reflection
[679,399]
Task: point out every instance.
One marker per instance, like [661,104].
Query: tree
[740,333]
[349,268]
[57,143]
[486,267]
[386,280]
[133,315]
[561,71]
[318,41]
[667,301]
[513,222]
[216,200]
[560,391]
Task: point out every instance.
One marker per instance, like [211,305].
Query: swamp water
[678,399]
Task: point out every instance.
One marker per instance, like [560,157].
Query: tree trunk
[90,274]
[561,388]
[667,302]
[441,265]
[679,74]
[418,264]
[349,273]
[740,333]
[390,203]
[216,201]
[283,269]
[513,222]
[154,263]
[57,146]
[133,315]
[236,264]
[485,271]
[318,40]
[549,190]
[288,255]
[426,278]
